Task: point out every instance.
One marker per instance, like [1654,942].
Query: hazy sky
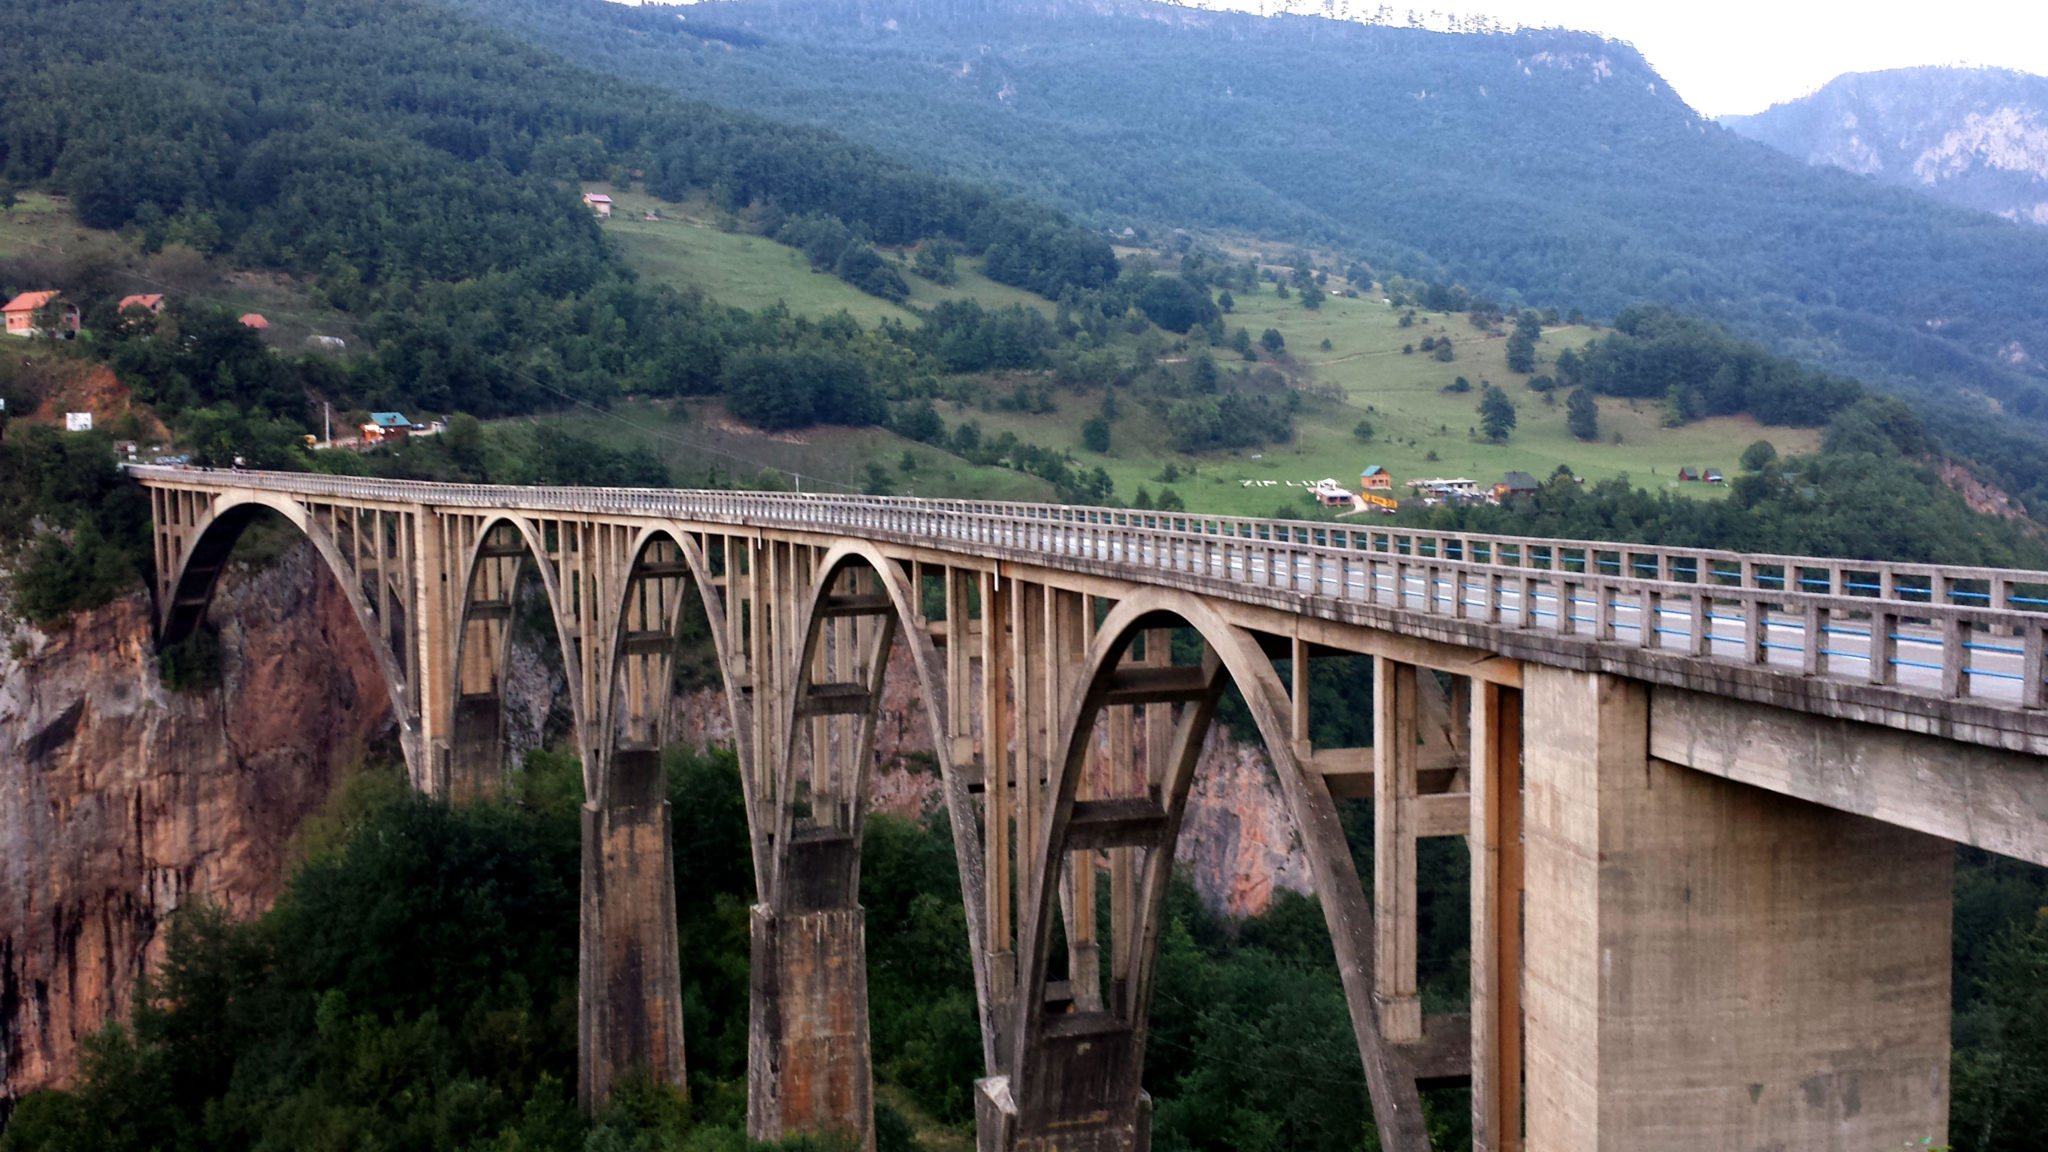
[1726,56]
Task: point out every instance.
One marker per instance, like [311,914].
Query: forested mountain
[1975,137]
[421,168]
[1546,167]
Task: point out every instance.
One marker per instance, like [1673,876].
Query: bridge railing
[1958,632]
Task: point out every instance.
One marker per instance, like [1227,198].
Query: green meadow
[684,246]
[1421,428]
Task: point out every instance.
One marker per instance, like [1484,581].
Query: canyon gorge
[122,800]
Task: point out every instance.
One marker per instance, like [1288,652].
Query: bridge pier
[630,1010]
[1712,966]
[476,752]
[809,1061]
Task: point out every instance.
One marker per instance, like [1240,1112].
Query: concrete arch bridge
[1709,798]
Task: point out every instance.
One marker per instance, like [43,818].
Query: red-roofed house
[599,203]
[256,321]
[21,313]
[153,303]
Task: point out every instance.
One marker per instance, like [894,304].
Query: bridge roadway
[1708,796]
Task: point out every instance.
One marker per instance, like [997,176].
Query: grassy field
[42,243]
[685,246]
[707,446]
[1402,395]
[1364,376]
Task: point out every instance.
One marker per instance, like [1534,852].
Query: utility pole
[327,423]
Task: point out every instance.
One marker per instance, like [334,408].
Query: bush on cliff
[77,529]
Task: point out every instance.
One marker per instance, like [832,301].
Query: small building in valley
[387,426]
[599,203]
[254,320]
[1453,490]
[1375,478]
[1331,494]
[1515,484]
[21,313]
[152,303]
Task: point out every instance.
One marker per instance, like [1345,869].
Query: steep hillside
[1547,167]
[1975,137]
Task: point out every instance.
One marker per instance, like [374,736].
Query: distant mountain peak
[1976,137]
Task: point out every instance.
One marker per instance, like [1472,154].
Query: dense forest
[1544,168]
[415,988]
[422,169]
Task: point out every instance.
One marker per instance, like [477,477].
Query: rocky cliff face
[120,802]
[1976,137]
[1239,841]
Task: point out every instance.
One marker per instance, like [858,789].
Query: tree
[921,422]
[934,261]
[1496,414]
[1095,434]
[1568,366]
[1582,414]
[1443,349]
[1226,301]
[1174,304]
[1521,353]
[7,196]
[1364,431]
[1759,456]
[1272,341]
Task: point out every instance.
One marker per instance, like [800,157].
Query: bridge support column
[809,1062]
[477,752]
[1084,1101]
[630,1006]
[1712,966]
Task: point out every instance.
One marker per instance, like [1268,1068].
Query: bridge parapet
[1933,648]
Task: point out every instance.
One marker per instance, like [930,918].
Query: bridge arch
[1089,1058]
[860,555]
[859,605]
[189,589]
[493,569]
[665,568]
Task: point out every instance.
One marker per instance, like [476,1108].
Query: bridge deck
[1947,650]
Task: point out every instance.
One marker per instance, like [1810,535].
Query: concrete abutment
[1713,966]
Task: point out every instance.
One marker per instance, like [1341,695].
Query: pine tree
[1496,414]
[1582,415]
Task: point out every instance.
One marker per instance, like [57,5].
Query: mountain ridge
[1543,167]
[1973,137]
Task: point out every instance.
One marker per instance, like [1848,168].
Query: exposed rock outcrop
[121,801]
[1975,137]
